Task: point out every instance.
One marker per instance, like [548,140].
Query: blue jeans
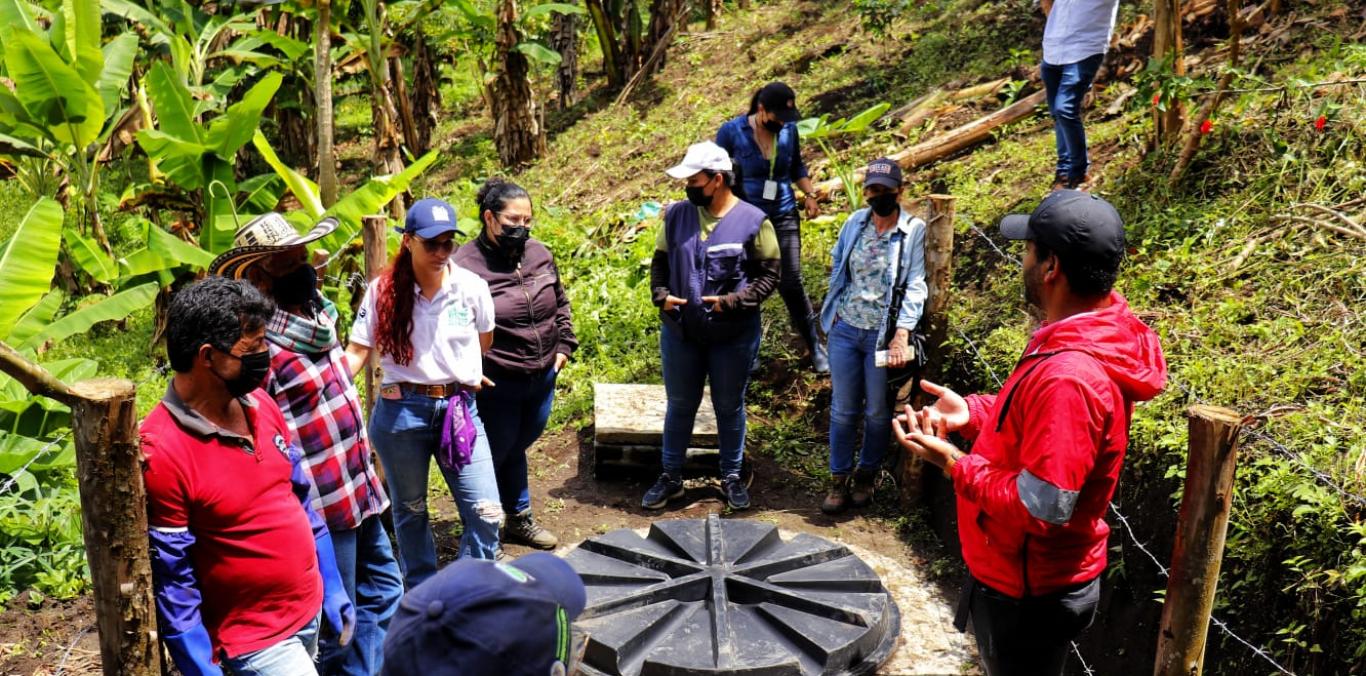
[407,433]
[1066,86]
[515,411]
[373,581]
[688,366]
[858,389]
[290,657]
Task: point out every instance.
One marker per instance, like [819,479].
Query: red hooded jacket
[1047,451]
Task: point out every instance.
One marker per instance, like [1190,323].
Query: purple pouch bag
[457,434]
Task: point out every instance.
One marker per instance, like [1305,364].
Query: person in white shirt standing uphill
[1075,38]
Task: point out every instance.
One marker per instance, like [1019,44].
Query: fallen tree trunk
[951,141]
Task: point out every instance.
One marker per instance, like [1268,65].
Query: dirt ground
[59,637]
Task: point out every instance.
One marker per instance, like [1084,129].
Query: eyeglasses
[434,245]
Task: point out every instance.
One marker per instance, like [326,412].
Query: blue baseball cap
[428,218]
[478,617]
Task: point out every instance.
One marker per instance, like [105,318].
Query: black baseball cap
[883,172]
[780,100]
[1071,222]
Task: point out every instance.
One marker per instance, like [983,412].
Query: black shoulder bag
[915,342]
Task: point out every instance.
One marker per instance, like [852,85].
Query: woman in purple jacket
[533,338]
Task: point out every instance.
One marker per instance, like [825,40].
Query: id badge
[880,359]
[770,190]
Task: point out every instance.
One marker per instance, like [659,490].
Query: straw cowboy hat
[263,237]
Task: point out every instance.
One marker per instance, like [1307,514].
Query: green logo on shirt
[459,316]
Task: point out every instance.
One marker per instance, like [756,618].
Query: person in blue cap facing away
[430,320]
[479,618]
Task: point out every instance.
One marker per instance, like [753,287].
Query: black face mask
[773,126]
[513,240]
[698,196]
[255,366]
[296,288]
[884,204]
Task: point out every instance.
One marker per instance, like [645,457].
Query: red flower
[1320,123]
[1206,126]
[1157,97]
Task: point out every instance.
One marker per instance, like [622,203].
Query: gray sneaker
[666,488]
[522,528]
[737,496]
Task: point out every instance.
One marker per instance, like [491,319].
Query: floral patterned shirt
[864,305]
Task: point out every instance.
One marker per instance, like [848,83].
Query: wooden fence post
[939,277]
[1199,546]
[374,237]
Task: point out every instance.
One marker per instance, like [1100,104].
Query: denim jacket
[912,258]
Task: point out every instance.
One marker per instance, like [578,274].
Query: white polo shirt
[1077,29]
[445,331]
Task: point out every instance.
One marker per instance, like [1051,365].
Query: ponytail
[394,308]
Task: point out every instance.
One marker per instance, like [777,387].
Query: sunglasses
[434,245]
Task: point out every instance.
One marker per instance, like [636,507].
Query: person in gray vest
[716,260]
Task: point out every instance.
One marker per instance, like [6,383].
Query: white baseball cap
[704,156]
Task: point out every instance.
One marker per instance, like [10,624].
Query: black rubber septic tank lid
[725,596]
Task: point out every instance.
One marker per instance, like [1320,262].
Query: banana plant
[822,131]
[67,89]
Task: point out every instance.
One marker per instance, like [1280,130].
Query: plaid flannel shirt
[320,403]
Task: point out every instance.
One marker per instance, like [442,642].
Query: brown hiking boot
[522,528]
[862,492]
[838,498]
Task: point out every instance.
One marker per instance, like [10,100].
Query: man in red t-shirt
[1046,451]
[241,564]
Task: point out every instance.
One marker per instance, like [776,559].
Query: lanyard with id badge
[770,185]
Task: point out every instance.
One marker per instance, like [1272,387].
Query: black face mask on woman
[513,240]
[255,366]
[698,196]
[884,204]
[296,288]
[773,126]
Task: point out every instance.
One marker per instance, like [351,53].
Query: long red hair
[394,308]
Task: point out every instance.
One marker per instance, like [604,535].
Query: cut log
[951,141]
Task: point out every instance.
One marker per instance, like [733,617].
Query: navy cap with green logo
[1071,223]
[478,617]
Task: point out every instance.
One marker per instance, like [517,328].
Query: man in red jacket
[1046,450]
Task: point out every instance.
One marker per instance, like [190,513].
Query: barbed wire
[1085,667]
[999,251]
[1223,626]
[980,357]
[61,666]
[351,280]
[14,476]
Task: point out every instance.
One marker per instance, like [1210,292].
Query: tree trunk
[405,106]
[518,131]
[1193,134]
[1167,46]
[322,84]
[564,38]
[663,15]
[713,13]
[607,37]
[387,158]
[426,91]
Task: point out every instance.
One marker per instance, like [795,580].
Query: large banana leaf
[215,234]
[28,261]
[231,130]
[37,317]
[90,257]
[291,48]
[171,99]
[138,14]
[119,54]
[117,306]
[369,199]
[52,92]
[261,193]
[180,160]
[15,14]
[82,18]
[304,190]
[175,250]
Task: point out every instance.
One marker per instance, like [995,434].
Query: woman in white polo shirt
[431,321]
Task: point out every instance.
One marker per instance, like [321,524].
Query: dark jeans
[515,411]
[688,366]
[1066,86]
[1029,636]
[788,227]
[858,393]
[372,579]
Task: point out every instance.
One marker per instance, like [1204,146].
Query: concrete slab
[633,415]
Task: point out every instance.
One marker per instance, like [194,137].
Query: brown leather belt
[439,391]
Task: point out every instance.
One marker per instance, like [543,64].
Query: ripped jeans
[406,433]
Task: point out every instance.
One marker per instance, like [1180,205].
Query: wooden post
[1199,546]
[938,276]
[374,238]
[1167,44]
[114,518]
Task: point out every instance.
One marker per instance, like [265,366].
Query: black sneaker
[737,496]
[666,488]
